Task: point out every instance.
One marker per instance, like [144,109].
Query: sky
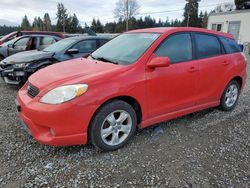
[12,11]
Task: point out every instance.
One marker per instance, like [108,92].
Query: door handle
[225,63]
[193,69]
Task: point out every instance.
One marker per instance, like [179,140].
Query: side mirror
[86,55]
[10,46]
[158,62]
[72,51]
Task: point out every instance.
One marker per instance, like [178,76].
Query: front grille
[32,90]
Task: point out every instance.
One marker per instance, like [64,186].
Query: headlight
[64,93]
[20,65]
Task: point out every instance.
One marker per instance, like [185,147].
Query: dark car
[15,34]
[25,43]
[17,68]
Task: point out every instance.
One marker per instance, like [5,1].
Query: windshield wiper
[105,60]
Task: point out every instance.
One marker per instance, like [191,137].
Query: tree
[25,25]
[62,17]
[40,24]
[191,13]
[46,22]
[205,20]
[126,9]
[224,7]
[239,4]
[97,26]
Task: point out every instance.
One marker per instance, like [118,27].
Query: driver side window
[178,48]
[86,46]
[21,44]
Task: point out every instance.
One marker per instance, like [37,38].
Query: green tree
[205,20]
[62,17]
[25,25]
[191,18]
[46,22]
[73,25]
[239,4]
[40,24]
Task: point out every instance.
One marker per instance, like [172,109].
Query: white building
[235,22]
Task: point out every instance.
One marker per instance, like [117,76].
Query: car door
[173,88]
[19,46]
[85,47]
[214,65]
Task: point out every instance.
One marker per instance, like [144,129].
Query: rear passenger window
[230,45]
[178,48]
[207,46]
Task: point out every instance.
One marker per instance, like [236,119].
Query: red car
[138,79]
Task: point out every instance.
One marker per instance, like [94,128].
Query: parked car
[16,34]
[25,43]
[138,79]
[17,68]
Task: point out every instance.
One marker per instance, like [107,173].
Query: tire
[231,93]
[107,133]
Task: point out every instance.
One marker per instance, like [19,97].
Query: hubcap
[116,127]
[231,95]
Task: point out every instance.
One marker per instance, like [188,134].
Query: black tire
[99,120]
[223,104]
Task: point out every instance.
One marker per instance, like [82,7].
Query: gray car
[25,43]
[17,68]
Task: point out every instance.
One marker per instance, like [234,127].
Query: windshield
[126,48]
[61,45]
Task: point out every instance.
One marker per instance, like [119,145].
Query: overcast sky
[12,11]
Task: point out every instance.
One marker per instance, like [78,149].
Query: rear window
[207,46]
[230,45]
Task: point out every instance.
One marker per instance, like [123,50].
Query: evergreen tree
[205,20]
[239,4]
[62,17]
[40,24]
[73,25]
[35,24]
[25,25]
[191,13]
[99,27]
[93,25]
[46,22]
[201,19]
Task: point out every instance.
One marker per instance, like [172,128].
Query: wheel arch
[128,99]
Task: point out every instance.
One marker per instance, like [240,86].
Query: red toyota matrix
[138,79]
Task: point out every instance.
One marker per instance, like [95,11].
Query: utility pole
[127,18]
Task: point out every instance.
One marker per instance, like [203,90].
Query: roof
[230,12]
[170,30]
[88,37]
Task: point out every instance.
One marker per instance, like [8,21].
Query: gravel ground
[205,149]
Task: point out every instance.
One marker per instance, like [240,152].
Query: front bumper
[13,75]
[55,125]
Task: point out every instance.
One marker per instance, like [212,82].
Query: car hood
[74,71]
[28,57]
